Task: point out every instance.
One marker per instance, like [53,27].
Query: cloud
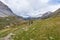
[32,8]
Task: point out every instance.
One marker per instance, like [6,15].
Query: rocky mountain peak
[5,10]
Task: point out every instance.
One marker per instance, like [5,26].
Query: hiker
[30,22]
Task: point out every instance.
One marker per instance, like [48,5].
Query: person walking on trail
[30,22]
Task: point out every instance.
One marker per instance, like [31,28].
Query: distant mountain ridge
[46,15]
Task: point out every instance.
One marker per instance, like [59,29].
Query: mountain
[46,15]
[5,10]
[56,13]
[7,17]
[31,18]
[51,14]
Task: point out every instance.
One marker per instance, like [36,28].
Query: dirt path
[7,37]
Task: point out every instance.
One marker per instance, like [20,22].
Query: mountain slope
[46,15]
[7,17]
[5,10]
[56,13]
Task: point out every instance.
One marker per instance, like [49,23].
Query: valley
[47,29]
[14,27]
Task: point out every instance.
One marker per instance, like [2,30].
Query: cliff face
[5,10]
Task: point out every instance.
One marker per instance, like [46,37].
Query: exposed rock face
[51,14]
[57,12]
[46,15]
[5,10]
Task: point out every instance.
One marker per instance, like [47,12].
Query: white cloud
[30,7]
[42,1]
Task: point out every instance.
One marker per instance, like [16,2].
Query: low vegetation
[46,29]
[8,21]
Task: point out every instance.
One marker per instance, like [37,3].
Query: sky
[32,8]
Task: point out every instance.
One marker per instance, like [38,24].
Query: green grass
[7,21]
[46,29]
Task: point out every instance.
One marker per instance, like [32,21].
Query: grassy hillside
[8,21]
[47,29]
